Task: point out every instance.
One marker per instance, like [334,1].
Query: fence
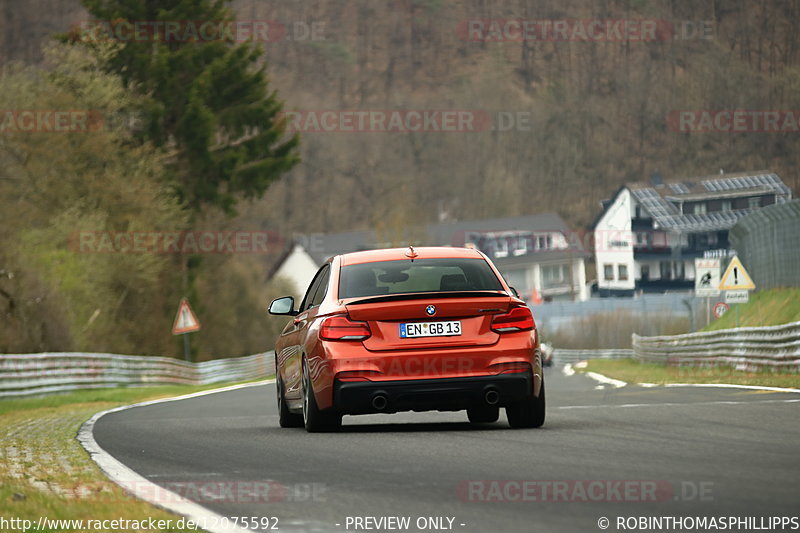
[554,315]
[768,347]
[768,243]
[561,355]
[45,373]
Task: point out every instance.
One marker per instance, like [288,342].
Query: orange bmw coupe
[407,329]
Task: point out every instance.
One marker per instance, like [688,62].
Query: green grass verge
[765,308]
[44,471]
[632,371]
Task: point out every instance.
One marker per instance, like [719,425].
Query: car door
[293,338]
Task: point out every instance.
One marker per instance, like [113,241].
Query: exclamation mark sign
[735,275]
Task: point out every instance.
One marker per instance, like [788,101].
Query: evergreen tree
[209,106]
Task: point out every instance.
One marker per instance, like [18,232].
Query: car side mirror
[282,306]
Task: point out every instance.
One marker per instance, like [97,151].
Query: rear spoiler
[428,295]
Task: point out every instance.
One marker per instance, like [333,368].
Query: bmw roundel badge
[430,310]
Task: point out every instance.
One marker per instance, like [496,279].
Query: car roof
[397,254]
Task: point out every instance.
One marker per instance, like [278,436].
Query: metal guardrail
[561,355]
[775,347]
[45,373]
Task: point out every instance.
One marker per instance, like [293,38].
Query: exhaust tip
[492,397]
[379,402]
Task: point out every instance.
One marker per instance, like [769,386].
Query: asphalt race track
[684,452]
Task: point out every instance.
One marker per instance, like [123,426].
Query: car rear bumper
[443,394]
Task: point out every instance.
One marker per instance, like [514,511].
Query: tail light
[341,328]
[517,319]
[511,368]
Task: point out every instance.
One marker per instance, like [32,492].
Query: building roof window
[544,242]
[520,246]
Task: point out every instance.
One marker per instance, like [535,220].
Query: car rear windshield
[421,275]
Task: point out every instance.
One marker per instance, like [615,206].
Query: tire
[315,420]
[286,419]
[528,413]
[484,414]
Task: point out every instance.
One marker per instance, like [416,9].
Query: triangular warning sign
[185,320]
[736,277]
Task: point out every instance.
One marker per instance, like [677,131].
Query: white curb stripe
[674,404]
[732,386]
[600,378]
[617,383]
[140,487]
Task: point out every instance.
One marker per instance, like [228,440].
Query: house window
[700,209]
[678,268]
[544,242]
[553,275]
[622,272]
[645,269]
[666,270]
[701,241]
[754,203]
[608,272]
[644,238]
[726,205]
[500,248]
[521,246]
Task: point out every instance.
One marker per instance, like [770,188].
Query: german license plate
[430,329]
